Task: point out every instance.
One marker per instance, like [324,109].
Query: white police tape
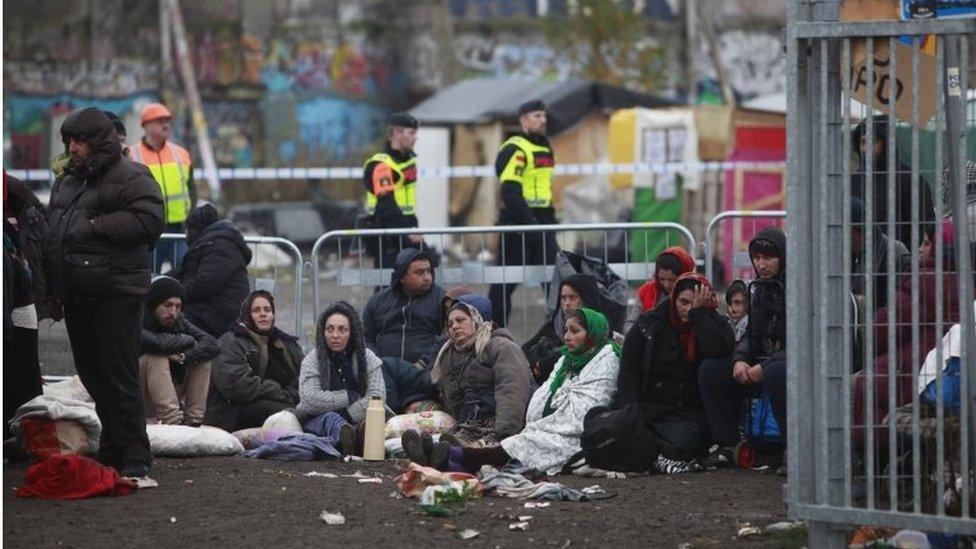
[258,174]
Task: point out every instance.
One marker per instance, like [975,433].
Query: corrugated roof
[483,99]
[480,99]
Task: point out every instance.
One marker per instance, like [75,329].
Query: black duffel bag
[617,440]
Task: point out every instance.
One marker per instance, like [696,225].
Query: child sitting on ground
[737,301]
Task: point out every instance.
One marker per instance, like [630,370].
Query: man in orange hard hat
[170,164]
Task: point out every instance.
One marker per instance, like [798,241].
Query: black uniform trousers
[517,249]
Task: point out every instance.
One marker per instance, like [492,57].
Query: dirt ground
[241,502]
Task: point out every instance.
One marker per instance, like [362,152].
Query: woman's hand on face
[703,296]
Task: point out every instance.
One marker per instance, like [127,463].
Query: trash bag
[613,289]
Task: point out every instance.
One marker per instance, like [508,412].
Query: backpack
[613,289]
[618,439]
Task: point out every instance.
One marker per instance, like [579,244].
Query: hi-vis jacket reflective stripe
[171,169]
[403,184]
[531,167]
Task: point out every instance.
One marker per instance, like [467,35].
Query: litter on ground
[332,519]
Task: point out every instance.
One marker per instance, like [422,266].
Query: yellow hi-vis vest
[403,183]
[531,166]
[171,169]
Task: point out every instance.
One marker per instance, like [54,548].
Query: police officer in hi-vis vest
[172,168]
[524,167]
[390,178]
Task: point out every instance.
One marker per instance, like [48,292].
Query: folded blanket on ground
[319,441]
[511,481]
[303,447]
[276,426]
[61,408]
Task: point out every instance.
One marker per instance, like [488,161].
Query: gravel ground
[216,502]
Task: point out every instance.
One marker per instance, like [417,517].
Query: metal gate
[340,269]
[875,446]
[276,265]
[738,244]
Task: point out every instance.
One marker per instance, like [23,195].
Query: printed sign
[883,84]
[937,9]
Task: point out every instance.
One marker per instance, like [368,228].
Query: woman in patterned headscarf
[484,379]
[585,377]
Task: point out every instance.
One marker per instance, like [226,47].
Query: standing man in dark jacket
[759,362]
[390,178]
[405,319]
[524,167]
[213,271]
[876,156]
[105,214]
[172,347]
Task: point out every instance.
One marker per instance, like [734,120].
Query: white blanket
[547,443]
[58,407]
[951,344]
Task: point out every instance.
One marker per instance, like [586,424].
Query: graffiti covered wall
[304,92]
[754,60]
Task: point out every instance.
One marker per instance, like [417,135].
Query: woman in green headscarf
[585,377]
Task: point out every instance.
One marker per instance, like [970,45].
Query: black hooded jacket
[104,215]
[214,276]
[902,185]
[196,345]
[402,326]
[654,370]
[765,336]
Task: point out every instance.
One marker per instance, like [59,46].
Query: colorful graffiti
[235,133]
[319,130]
[28,123]
[754,61]
[106,77]
[490,9]
[289,63]
[480,54]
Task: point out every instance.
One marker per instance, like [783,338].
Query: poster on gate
[938,9]
[884,83]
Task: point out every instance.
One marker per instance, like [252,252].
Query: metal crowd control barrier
[263,260]
[893,444]
[731,214]
[55,352]
[476,270]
